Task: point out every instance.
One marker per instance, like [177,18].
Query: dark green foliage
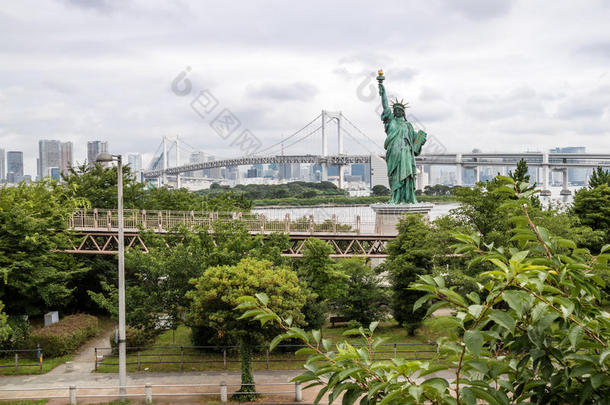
[599,177]
[521,174]
[20,330]
[362,299]
[379,190]
[33,222]
[299,189]
[410,255]
[136,337]
[438,190]
[64,336]
[98,185]
[592,206]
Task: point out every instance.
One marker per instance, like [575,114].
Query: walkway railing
[166,221]
[214,357]
[151,391]
[22,358]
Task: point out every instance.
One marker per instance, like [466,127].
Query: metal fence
[163,221]
[23,358]
[221,357]
[150,391]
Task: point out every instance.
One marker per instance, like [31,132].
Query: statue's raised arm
[384,98]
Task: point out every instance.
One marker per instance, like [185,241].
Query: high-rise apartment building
[49,155]
[134,160]
[66,157]
[14,166]
[197,157]
[2,167]
[94,148]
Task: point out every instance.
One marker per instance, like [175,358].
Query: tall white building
[66,157]
[134,160]
[49,155]
[2,166]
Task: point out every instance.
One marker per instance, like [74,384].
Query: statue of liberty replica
[402,144]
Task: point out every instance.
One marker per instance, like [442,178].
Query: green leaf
[316,335]
[485,396]
[575,335]
[503,319]
[420,301]
[475,310]
[350,396]
[263,298]
[515,300]
[474,341]
[320,395]
[416,391]
[373,326]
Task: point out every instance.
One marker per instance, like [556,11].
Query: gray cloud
[479,9]
[298,91]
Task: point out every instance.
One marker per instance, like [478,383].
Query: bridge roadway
[96,231]
[554,161]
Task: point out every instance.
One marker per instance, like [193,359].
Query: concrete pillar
[223,392]
[477,176]
[341,176]
[564,189]
[546,191]
[298,392]
[148,393]
[72,394]
[459,168]
[324,172]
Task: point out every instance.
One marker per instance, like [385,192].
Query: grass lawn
[26,402]
[30,365]
[168,359]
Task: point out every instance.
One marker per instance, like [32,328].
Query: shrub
[64,336]
[136,337]
[20,330]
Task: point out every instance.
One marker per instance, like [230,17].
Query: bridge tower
[333,115]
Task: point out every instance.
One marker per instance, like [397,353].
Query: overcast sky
[494,75]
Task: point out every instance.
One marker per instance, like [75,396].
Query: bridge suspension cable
[260,152]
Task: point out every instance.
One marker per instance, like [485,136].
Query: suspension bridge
[314,136]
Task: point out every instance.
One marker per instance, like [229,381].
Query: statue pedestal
[388,215]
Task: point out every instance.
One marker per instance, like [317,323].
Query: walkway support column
[564,189]
[546,191]
[459,168]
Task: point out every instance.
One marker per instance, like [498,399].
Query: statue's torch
[380,76]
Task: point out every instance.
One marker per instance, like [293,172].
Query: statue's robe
[402,144]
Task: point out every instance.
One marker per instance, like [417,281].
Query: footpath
[89,384]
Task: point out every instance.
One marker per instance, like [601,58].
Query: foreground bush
[64,336]
[534,332]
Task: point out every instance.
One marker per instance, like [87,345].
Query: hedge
[136,337]
[65,336]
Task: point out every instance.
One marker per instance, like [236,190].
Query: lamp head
[104,157]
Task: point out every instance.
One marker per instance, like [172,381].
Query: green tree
[536,332]
[380,190]
[592,206]
[322,277]
[217,293]
[363,299]
[33,231]
[409,256]
[599,177]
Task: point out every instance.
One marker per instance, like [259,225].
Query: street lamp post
[103,158]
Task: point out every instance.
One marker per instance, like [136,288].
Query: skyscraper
[134,160]
[197,157]
[2,167]
[66,157]
[49,155]
[94,148]
[14,166]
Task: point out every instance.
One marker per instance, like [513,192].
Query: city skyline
[500,76]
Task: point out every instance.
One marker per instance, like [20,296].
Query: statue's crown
[400,104]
